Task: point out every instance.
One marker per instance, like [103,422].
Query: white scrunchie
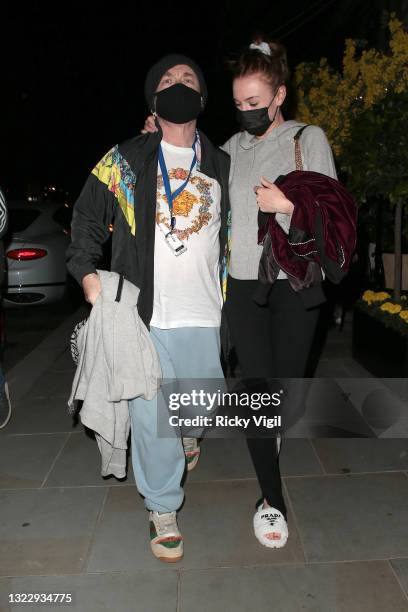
[263,47]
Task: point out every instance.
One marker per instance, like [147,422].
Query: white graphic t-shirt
[187,291]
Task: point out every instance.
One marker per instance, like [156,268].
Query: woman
[271,341]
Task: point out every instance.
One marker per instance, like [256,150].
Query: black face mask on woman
[257,121]
[178,103]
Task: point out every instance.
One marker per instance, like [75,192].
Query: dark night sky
[73,77]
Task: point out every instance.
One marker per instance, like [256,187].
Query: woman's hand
[149,126]
[271,199]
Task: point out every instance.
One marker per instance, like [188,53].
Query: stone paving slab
[55,384]
[80,465]
[47,531]
[128,592]
[41,415]
[34,365]
[400,567]
[26,460]
[340,587]
[353,517]
[339,456]
[228,459]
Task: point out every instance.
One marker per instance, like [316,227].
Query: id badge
[173,242]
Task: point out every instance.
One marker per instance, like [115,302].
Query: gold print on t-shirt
[185,202]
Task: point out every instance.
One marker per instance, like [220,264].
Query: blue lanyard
[166,181]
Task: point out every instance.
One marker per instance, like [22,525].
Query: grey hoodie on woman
[252,158]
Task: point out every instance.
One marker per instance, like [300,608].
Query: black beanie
[167,62]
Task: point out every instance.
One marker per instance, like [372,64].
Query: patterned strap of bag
[298,152]
[74,341]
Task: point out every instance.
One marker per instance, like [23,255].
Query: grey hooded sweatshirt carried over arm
[252,158]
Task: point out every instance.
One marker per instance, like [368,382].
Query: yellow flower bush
[391,308]
[379,302]
[404,315]
[332,99]
[371,296]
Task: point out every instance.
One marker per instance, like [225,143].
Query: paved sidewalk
[64,529]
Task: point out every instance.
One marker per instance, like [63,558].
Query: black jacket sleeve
[93,212]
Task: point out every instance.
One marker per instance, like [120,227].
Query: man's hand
[150,126]
[271,199]
[91,285]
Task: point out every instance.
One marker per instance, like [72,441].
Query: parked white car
[38,237]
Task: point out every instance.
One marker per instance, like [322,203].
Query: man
[167,194]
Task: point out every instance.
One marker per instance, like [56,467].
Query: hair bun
[265,56]
[275,48]
[272,48]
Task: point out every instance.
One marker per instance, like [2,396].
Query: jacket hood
[285,131]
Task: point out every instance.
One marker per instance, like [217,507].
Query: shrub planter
[382,350]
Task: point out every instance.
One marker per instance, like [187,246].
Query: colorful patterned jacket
[121,190]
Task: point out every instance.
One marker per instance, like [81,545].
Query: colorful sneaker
[166,540]
[5,406]
[270,527]
[192,452]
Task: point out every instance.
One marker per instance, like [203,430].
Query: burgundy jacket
[322,235]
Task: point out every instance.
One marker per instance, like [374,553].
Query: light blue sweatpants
[159,462]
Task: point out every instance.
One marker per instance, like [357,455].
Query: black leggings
[271,341]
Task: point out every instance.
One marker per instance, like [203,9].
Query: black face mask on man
[178,103]
[257,121]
